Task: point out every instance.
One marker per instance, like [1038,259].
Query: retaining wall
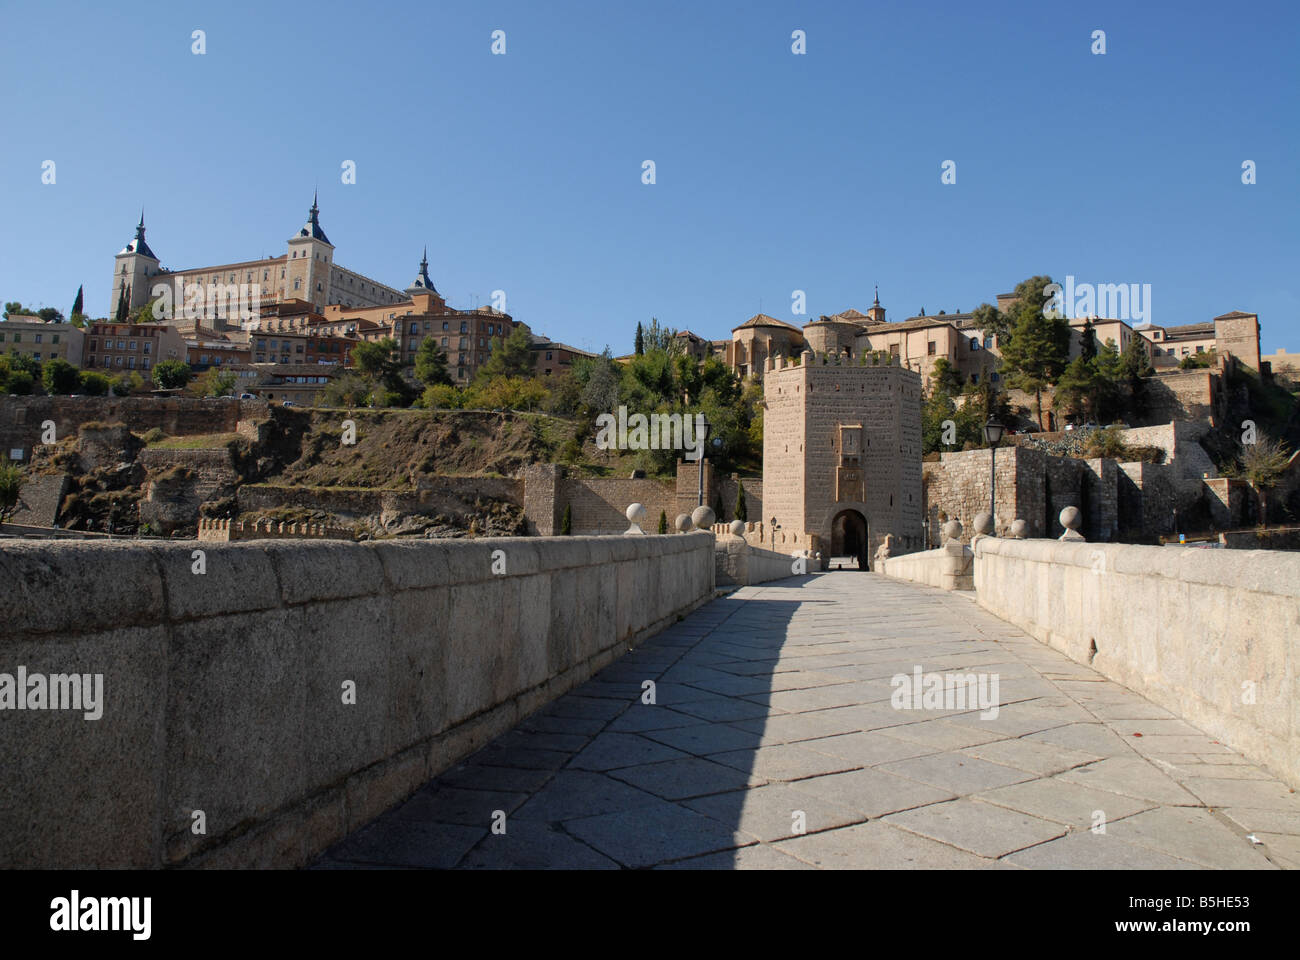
[224,692]
[1199,632]
[948,567]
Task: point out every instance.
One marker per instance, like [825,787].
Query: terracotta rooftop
[763,320]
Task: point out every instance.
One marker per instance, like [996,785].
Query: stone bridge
[591,702]
[772,743]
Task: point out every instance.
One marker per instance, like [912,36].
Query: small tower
[422,283]
[877,313]
[309,264]
[133,268]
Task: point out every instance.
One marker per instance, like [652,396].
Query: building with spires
[307,272]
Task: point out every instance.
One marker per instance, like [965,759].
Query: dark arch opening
[849,536]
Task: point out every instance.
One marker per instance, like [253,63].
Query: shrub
[566,523]
[153,435]
[663,521]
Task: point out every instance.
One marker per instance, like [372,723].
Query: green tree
[50,315]
[1078,389]
[171,374]
[1263,464]
[431,364]
[992,322]
[375,361]
[123,298]
[660,338]
[663,521]
[60,377]
[94,384]
[742,511]
[11,488]
[640,340]
[345,390]
[1039,346]
[718,510]
[1088,341]
[510,357]
[77,303]
[946,377]
[13,306]
[214,382]
[566,522]
[442,396]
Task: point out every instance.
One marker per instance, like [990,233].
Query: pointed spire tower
[132,268]
[877,313]
[309,269]
[422,283]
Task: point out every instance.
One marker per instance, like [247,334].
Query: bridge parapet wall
[293,690]
[1212,636]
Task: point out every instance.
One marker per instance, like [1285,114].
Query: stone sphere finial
[1018,529]
[984,523]
[702,517]
[1070,519]
[738,528]
[635,513]
[952,530]
[683,522]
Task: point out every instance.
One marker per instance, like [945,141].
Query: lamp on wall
[993,431]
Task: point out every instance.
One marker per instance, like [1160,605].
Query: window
[929,348]
[55,338]
[38,338]
[119,361]
[144,363]
[134,343]
[130,362]
[1199,348]
[974,378]
[974,343]
[121,344]
[464,327]
[444,326]
[480,341]
[988,343]
[444,339]
[297,284]
[548,355]
[148,346]
[18,338]
[108,361]
[415,328]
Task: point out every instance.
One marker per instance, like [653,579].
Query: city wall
[295,689]
[21,417]
[1211,635]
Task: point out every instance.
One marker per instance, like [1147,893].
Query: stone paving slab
[775,742]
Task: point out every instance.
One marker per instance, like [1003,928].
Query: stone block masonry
[1211,635]
[297,689]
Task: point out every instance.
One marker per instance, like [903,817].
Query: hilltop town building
[34,337]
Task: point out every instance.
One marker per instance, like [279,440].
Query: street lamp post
[993,435]
[699,467]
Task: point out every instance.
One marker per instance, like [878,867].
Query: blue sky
[775,172]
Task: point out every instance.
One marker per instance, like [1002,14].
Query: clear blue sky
[775,172]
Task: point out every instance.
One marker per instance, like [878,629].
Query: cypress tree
[640,339]
[121,305]
[742,512]
[76,304]
[663,521]
[566,524]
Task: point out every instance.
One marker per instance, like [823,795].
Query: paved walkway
[773,744]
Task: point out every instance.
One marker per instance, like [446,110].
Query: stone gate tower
[842,457]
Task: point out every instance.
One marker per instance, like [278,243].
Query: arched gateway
[849,536]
